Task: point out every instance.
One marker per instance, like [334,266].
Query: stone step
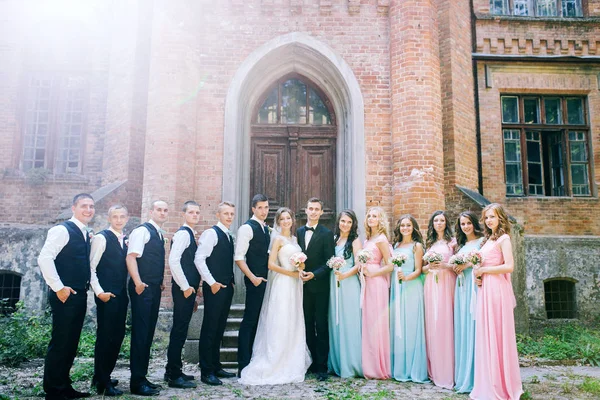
[229,354]
[230,366]
[230,339]
[233,324]
[237,310]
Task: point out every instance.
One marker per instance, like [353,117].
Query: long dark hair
[352,235]
[461,238]
[416,233]
[432,235]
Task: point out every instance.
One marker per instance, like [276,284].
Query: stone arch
[303,54]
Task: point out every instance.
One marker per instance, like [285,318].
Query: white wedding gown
[280,354]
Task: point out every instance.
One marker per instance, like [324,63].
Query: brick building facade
[434,105]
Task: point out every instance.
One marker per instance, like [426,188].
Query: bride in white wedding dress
[280,354]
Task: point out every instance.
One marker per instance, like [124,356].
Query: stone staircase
[230,338]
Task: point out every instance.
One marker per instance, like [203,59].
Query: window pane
[318,114]
[499,7]
[575,111]
[534,164]
[513,174]
[578,152]
[553,110]
[546,8]
[512,157]
[293,102]
[512,151]
[579,174]
[531,107]
[572,8]
[533,152]
[268,112]
[522,7]
[510,109]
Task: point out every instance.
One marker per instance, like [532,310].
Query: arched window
[560,298]
[294,102]
[10,291]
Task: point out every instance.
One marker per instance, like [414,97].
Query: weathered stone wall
[573,257]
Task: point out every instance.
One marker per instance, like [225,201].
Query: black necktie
[310,228]
[266,229]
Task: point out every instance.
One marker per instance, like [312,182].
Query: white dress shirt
[308,235]
[208,240]
[181,241]
[243,238]
[139,237]
[96,252]
[57,239]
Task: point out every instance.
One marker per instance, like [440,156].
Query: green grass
[565,342]
[590,385]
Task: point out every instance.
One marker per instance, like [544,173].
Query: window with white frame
[537,8]
[546,145]
[53,126]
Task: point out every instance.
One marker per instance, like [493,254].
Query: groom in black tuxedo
[317,243]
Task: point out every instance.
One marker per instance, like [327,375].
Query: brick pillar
[416,109]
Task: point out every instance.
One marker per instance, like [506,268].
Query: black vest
[187,261]
[112,269]
[73,261]
[257,256]
[151,265]
[220,262]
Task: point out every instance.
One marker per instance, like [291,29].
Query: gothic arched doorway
[293,147]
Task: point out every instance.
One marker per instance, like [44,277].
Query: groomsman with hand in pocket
[214,259]
[108,281]
[65,264]
[186,280]
[146,266]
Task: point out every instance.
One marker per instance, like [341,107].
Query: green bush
[23,337]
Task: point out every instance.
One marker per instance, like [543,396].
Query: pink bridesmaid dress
[439,320]
[497,374]
[376,319]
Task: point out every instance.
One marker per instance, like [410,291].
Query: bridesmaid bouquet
[297,258]
[364,256]
[335,263]
[475,257]
[459,259]
[431,257]
[398,260]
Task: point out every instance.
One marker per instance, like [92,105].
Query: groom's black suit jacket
[320,249]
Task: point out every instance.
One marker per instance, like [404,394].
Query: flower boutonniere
[163,233]
[90,232]
[270,229]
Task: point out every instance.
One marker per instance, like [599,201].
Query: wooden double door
[290,164]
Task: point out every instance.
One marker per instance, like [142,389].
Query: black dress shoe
[211,380]
[144,390]
[185,377]
[113,382]
[109,390]
[224,374]
[71,393]
[181,383]
[152,385]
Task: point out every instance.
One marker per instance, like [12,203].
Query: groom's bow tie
[310,228]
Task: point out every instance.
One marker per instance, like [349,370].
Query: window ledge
[550,198]
[50,179]
[516,18]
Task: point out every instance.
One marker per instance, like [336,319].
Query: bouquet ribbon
[473,304]
[435,295]
[397,301]
[337,304]
[362,288]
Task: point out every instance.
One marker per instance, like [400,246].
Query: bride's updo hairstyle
[382,228]
[278,214]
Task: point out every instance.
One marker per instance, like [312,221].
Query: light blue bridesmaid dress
[345,341]
[464,325]
[407,323]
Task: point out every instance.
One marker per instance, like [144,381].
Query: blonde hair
[382,228]
[117,207]
[223,204]
[503,222]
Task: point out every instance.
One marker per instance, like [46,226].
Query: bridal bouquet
[459,259]
[431,257]
[335,263]
[398,260]
[297,258]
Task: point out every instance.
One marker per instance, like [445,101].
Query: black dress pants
[182,314]
[144,314]
[110,332]
[254,299]
[316,309]
[67,321]
[216,310]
